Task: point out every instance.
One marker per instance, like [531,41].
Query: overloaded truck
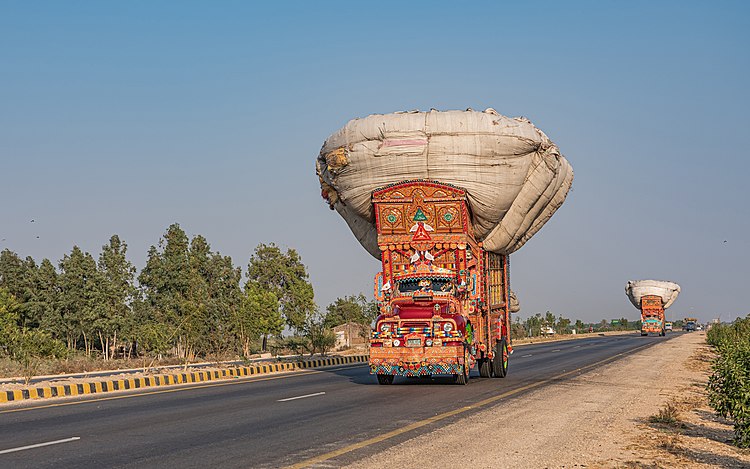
[442,199]
[652,297]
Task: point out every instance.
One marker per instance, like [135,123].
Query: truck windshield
[433,285]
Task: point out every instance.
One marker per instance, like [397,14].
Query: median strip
[170,379]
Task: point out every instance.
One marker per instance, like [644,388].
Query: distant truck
[652,315]
[690,324]
[668,327]
[445,301]
[652,297]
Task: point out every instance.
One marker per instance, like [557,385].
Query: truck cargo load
[667,291]
[515,177]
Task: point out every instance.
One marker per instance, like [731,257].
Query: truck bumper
[419,361]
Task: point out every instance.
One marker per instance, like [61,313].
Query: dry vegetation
[686,432]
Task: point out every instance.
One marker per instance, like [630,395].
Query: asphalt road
[331,417]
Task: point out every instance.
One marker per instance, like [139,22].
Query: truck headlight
[385,327]
[447,327]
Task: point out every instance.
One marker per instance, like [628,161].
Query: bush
[29,346]
[668,415]
[729,384]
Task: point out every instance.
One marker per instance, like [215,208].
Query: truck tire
[485,368]
[463,377]
[385,379]
[500,362]
[663,333]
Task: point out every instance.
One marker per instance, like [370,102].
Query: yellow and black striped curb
[96,387]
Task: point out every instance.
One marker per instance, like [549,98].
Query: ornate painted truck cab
[444,300]
[652,315]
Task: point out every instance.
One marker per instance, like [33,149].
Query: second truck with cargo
[652,297]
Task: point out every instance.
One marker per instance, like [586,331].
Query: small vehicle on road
[668,327]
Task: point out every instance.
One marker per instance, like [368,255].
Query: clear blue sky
[124,117]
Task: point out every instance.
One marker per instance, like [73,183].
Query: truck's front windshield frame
[435,285]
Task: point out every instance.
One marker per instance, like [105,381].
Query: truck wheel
[385,379]
[485,368]
[663,333]
[500,362]
[463,377]
[644,334]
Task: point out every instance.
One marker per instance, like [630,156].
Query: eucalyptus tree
[259,316]
[284,274]
[116,294]
[79,283]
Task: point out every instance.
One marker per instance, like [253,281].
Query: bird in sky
[32,221]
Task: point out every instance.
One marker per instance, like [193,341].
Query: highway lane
[275,421]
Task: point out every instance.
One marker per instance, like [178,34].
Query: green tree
[534,325]
[352,309]
[165,282]
[17,276]
[192,290]
[285,276]
[259,316]
[79,297]
[116,294]
[225,301]
[549,319]
[20,343]
[562,326]
[579,326]
[517,330]
[320,338]
[46,301]
[9,318]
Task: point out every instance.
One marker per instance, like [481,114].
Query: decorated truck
[441,199]
[652,297]
[652,315]
[445,300]
[690,324]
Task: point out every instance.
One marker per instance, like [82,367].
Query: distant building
[350,334]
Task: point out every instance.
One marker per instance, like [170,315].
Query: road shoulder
[597,419]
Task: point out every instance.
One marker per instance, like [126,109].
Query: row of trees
[188,301]
[535,325]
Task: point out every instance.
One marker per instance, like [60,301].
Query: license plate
[414,343]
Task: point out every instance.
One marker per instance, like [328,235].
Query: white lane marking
[556,350]
[301,397]
[529,355]
[39,445]
[577,346]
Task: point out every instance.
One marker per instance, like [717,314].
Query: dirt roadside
[600,419]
